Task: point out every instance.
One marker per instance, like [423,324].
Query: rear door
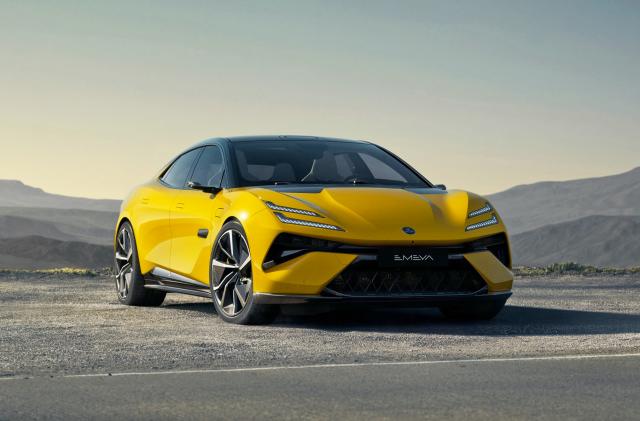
[193,221]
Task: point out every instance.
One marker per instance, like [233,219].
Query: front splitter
[426,300]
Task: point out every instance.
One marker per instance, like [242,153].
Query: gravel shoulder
[53,325]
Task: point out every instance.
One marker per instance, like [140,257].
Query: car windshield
[274,162]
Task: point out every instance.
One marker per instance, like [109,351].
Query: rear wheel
[232,280]
[129,280]
[473,311]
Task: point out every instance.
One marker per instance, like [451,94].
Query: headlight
[485,209]
[488,222]
[275,207]
[293,221]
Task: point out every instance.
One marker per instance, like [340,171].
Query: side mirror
[207,189]
[440,186]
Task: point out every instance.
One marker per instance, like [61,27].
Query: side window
[176,175]
[209,169]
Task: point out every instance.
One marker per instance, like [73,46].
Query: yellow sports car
[259,222]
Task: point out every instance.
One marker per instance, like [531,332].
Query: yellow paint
[495,274]
[166,232]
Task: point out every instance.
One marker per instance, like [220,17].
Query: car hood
[380,214]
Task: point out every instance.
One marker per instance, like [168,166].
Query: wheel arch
[232,218]
[121,221]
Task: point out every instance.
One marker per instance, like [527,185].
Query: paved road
[567,388]
[52,328]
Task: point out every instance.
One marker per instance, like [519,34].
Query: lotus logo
[409,230]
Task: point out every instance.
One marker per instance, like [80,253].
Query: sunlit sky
[95,96]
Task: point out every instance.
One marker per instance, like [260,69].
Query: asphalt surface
[544,356]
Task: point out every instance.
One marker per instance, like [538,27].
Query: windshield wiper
[280,183]
[359,181]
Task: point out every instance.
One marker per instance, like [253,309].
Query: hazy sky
[95,96]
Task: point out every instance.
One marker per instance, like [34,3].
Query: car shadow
[202,307]
[512,321]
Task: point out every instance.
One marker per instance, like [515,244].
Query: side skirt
[163,280]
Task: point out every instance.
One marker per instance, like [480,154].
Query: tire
[231,280]
[130,288]
[473,311]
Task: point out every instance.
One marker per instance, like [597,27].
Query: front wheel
[232,279]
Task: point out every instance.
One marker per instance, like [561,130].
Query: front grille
[369,280]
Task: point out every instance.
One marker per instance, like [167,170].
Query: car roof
[236,139]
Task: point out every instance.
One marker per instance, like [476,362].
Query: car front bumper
[409,300]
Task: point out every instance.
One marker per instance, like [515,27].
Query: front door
[157,201]
[193,222]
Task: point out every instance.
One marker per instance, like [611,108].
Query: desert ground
[62,337]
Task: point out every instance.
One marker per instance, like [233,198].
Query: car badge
[408,230]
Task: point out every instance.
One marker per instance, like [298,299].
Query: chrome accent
[485,209]
[124,263]
[302,222]
[365,257]
[488,222]
[161,273]
[231,269]
[287,209]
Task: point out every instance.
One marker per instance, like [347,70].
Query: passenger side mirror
[207,189]
[440,186]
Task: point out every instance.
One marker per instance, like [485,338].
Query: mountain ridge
[14,193]
[599,240]
[36,252]
[529,206]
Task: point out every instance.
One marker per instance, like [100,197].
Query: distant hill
[14,193]
[527,207]
[593,240]
[593,221]
[35,252]
[88,226]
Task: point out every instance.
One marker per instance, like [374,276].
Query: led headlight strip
[275,207]
[287,220]
[488,222]
[485,209]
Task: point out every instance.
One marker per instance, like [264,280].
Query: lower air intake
[362,281]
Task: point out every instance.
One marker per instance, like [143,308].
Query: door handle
[179,205]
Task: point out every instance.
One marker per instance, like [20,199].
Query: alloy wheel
[231,269]
[124,263]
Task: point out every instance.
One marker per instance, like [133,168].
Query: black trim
[173,285]
[368,278]
[203,233]
[421,300]
[286,247]
[180,290]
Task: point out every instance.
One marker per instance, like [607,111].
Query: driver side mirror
[207,189]
[440,186]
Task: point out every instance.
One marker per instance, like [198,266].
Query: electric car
[256,223]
